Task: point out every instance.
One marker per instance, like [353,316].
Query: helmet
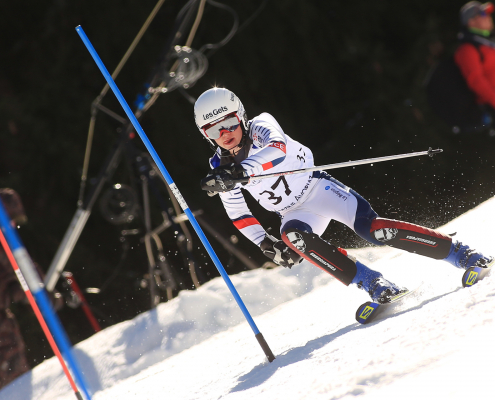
[214,105]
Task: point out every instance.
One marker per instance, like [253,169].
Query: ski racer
[306,202]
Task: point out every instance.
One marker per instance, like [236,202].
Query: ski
[475,274]
[369,311]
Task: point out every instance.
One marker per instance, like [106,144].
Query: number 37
[272,196]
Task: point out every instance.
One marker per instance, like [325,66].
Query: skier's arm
[241,216]
[468,58]
[273,149]
[238,211]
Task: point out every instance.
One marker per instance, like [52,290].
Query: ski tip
[472,276]
[364,314]
[369,311]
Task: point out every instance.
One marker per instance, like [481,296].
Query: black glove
[279,252]
[223,179]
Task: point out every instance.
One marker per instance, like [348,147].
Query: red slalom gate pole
[84,304]
[37,312]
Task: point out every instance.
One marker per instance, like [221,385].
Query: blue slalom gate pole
[175,191]
[34,289]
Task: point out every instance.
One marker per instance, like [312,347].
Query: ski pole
[430,152]
[175,191]
[18,256]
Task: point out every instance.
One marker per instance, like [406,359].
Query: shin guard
[412,238]
[322,254]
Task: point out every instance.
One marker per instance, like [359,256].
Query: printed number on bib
[301,158]
[272,196]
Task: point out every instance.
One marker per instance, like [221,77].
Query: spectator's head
[13,205]
[475,15]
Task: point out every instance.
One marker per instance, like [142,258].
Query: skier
[305,202]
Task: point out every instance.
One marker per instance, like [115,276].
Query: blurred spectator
[13,361]
[475,55]
[460,88]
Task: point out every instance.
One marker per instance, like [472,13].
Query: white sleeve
[241,216]
[273,149]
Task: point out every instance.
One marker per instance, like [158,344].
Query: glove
[277,251]
[223,179]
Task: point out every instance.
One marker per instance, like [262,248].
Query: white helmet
[216,104]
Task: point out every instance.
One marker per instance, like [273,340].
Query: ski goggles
[229,124]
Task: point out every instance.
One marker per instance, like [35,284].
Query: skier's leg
[410,237]
[427,242]
[402,235]
[414,238]
[299,236]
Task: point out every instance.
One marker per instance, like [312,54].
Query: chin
[231,147]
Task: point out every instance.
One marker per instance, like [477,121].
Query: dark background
[346,79]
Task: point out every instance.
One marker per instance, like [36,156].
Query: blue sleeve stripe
[234,192]
[278,161]
[215,161]
[259,237]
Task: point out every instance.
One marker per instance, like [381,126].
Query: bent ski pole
[176,192]
[430,152]
[19,258]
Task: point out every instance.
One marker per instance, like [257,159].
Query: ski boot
[463,257]
[383,291]
[380,290]
[476,265]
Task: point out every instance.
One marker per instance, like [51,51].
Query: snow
[199,346]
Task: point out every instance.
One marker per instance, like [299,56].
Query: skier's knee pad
[413,238]
[320,253]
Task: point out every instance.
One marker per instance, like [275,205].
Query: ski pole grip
[265,347]
[432,152]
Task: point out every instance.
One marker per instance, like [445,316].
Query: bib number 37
[277,199]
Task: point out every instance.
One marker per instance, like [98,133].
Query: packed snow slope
[439,345]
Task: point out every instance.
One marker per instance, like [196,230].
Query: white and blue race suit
[313,198]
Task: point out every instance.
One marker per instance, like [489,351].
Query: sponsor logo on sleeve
[279,145]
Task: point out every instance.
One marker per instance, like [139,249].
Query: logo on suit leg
[385,234]
[297,240]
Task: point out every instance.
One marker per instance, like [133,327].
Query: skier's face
[230,140]
[482,21]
